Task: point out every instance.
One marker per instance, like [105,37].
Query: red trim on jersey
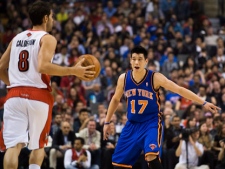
[46,79]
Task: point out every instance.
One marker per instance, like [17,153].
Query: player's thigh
[39,123]
[127,150]
[153,141]
[15,122]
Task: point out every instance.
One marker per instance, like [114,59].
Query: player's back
[23,65]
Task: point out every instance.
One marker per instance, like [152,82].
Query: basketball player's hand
[211,107]
[106,131]
[83,72]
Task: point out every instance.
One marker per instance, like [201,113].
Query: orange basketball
[90,60]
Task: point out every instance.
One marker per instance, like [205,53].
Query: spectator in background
[81,121]
[74,98]
[109,10]
[108,148]
[56,124]
[206,140]
[195,150]
[108,79]
[61,58]
[202,93]
[62,140]
[172,138]
[169,65]
[58,105]
[77,157]
[221,156]
[220,136]
[92,139]
[96,96]
[62,16]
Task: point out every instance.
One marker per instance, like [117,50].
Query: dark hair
[139,50]
[203,86]
[37,11]
[83,110]
[81,140]
[175,116]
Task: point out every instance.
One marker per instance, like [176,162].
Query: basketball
[90,60]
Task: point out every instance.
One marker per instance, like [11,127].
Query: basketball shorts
[135,138]
[27,117]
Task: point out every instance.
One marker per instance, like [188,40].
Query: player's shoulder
[48,38]
[122,76]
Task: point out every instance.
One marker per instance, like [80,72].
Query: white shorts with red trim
[24,122]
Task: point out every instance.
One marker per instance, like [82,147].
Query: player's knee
[150,157]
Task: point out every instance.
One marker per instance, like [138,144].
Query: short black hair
[38,10]
[84,110]
[81,140]
[203,86]
[139,50]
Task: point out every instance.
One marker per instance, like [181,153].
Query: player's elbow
[42,68]
[115,99]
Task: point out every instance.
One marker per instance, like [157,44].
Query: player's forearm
[190,95]
[112,108]
[53,69]
[4,77]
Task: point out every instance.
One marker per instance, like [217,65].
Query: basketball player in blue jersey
[143,130]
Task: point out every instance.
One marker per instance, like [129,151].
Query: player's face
[50,22]
[138,62]
[78,145]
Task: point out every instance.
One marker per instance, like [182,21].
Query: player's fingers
[105,136]
[89,76]
[82,60]
[217,108]
[90,72]
[212,110]
[89,67]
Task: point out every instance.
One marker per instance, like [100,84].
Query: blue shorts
[134,138]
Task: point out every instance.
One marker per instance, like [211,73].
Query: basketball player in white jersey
[24,67]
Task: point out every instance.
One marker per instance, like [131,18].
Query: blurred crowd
[184,46]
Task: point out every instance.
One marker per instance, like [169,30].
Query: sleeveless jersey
[23,65]
[142,99]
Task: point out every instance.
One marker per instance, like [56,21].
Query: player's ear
[146,60]
[45,19]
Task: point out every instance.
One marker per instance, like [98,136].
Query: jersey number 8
[23,63]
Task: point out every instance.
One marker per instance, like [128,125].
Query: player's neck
[39,28]
[138,75]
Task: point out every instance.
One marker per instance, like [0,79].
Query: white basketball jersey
[23,65]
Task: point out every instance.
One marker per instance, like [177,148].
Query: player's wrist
[204,103]
[107,123]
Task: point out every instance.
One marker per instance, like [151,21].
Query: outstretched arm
[161,81]
[114,104]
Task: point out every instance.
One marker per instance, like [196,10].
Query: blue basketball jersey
[142,100]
